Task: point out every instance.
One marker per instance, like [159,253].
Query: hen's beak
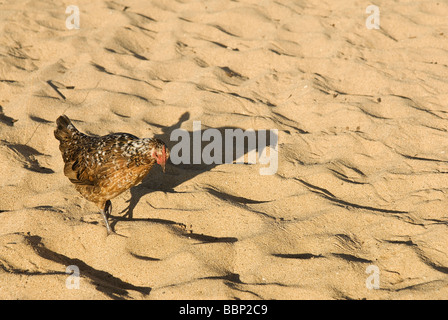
[163,166]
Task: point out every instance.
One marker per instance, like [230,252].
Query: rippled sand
[362,148]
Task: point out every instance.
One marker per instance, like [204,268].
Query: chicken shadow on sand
[175,175]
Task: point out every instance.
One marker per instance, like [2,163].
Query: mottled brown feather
[103,167]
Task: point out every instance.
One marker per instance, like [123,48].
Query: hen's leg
[105,212]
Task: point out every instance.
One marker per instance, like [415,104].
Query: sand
[356,209]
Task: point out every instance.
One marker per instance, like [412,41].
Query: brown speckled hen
[103,167]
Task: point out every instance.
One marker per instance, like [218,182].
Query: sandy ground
[362,149]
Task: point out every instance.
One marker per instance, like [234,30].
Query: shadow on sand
[180,173]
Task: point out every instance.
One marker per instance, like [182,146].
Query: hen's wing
[96,159]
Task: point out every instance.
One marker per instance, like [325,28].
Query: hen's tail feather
[65,128]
